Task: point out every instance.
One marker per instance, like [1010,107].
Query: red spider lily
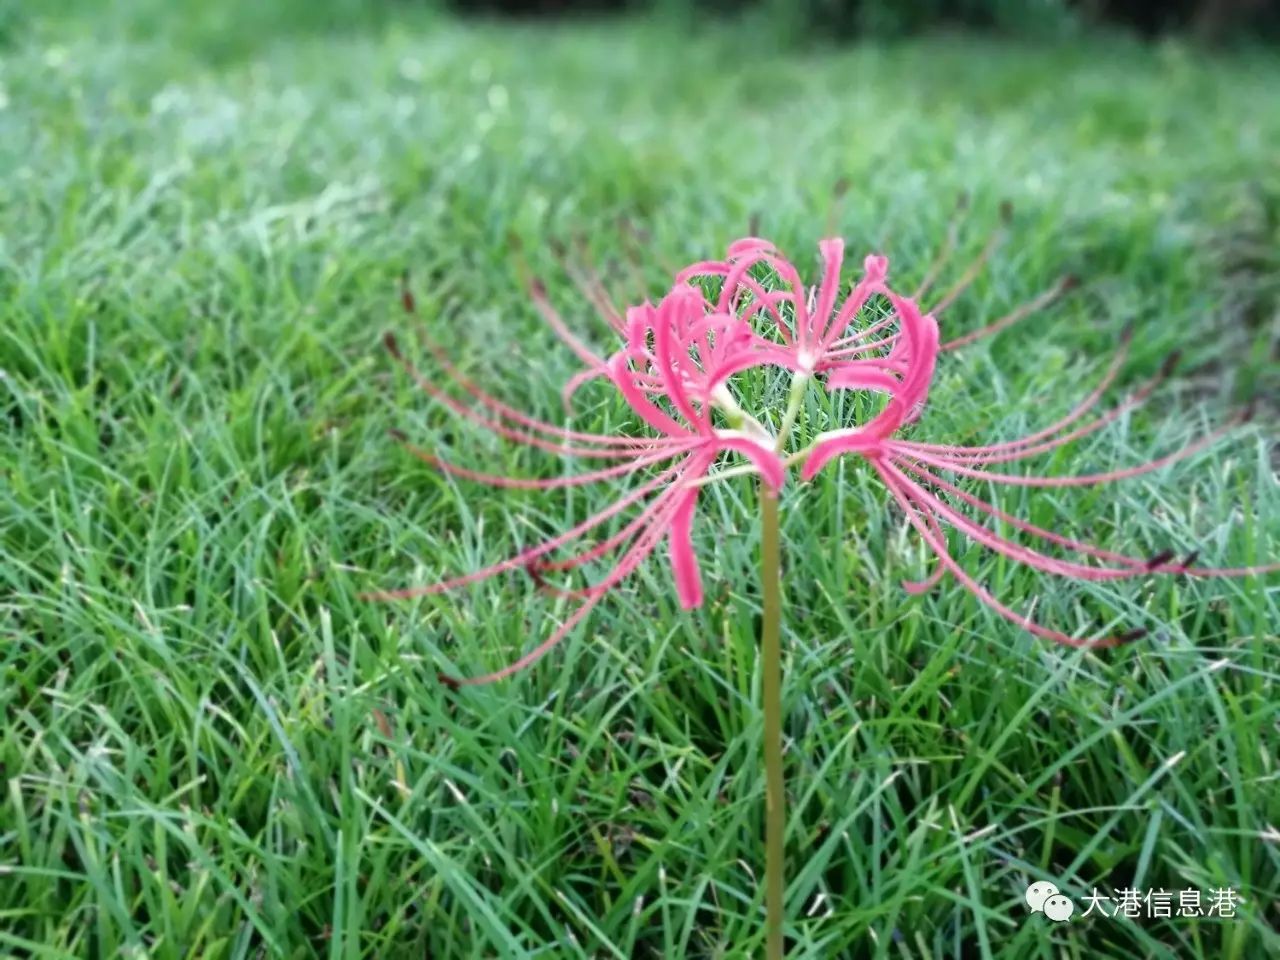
[673,368]
[675,357]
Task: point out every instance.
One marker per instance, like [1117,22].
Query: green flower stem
[795,397]
[735,416]
[771,691]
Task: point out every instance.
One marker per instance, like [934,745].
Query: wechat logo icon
[1043,897]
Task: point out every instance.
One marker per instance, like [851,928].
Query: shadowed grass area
[213,748]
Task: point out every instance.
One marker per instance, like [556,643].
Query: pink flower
[674,357]
[673,370]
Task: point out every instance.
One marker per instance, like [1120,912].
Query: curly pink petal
[684,564]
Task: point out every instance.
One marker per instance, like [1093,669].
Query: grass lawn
[212,748]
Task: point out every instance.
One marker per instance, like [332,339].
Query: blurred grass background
[228,26]
[211,748]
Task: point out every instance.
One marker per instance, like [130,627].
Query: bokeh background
[212,748]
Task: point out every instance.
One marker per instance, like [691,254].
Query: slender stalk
[771,690]
[795,397]
[735,416]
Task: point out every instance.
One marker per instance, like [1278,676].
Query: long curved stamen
[632,256]
[1229,572]
[1080,480]
[1083,407]
[849,339]
[971,274]
[538,293]
[550,483]
[636,237]
[1016,450]
[630,562]
[1016,315]
[525,557]
[991,510]
[787,272]
[736,277]
[589,285]
[845,353]
[519,436]
[833,334]
[533,656]
[767,301]
[593,287]
[658,512]
[672,513]
[622,536]
[981,593]
[1015,551]
[1157,564]
[917,587]
[946,249]
[483,397]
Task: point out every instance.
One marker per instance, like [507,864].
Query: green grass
[212,748]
